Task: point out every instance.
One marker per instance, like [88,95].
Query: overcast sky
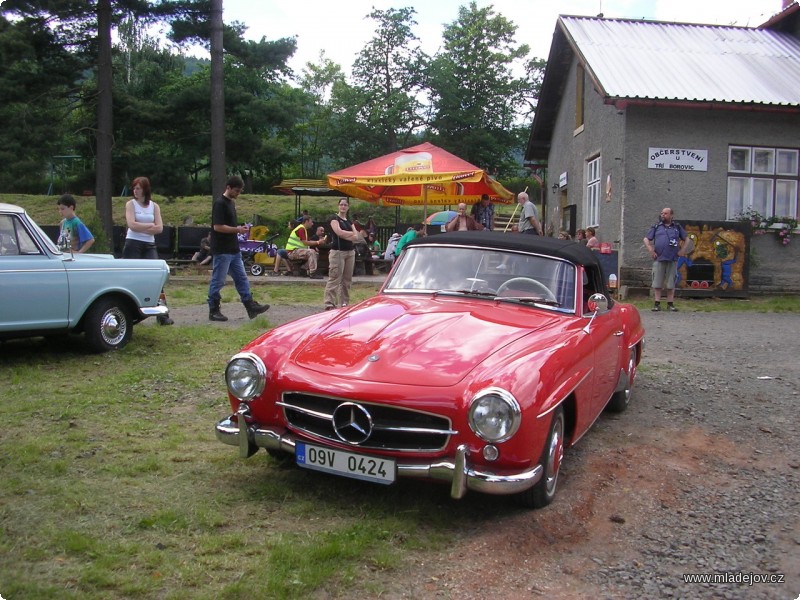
[341,30]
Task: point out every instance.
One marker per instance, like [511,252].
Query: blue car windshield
[501,274]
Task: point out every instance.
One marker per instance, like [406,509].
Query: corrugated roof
[685,62]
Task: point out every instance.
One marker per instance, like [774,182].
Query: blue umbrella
[440,218]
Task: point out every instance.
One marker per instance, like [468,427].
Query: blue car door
[34,292]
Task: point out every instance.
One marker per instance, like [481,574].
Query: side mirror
[598,303]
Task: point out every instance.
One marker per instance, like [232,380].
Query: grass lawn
[114,485]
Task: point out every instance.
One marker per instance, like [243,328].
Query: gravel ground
[699,475]
[277,314]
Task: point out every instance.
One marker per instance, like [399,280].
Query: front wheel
[107,325]
[620,400]
[256,270]
[542,494]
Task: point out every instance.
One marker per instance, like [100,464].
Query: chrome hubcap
[112,327]
[555,454]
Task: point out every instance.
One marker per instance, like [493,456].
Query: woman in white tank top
[144,222]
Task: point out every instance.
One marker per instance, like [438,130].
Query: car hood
[402,341]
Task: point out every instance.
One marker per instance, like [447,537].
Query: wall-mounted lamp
[555,188]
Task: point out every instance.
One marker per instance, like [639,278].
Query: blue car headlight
[245,376]
[494,415]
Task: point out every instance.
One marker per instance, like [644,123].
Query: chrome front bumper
[154,311]
[458,472]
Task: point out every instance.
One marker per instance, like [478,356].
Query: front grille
[393,428]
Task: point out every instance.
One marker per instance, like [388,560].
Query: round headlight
[494,415]
[245,376]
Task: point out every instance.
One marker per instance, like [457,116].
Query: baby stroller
[257,255]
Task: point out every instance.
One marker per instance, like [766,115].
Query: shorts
[665,272]
[283,253]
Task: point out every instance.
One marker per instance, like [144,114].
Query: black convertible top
[566,249]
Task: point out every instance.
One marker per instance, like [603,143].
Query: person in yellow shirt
[301,247]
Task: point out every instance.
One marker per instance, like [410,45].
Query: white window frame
[593,192]
[763,179]
[736,150]
[739,196]
[764,161]
[786,193]
[792,156]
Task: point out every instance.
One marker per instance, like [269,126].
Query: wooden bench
[188,240]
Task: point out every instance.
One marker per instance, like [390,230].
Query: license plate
[348,464]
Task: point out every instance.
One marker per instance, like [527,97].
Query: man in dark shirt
[227,259]
[484,212]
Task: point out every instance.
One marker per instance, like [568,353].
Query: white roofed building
[637,115]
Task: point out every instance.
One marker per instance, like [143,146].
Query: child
[203,256]
[74,235]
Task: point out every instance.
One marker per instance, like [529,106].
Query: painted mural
[717,263]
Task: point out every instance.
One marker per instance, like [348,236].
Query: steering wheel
[527,284]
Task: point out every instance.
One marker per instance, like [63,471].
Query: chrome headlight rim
[514,408]
[258,373]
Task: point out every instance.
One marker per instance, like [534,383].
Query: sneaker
[656,308]
[671,308]
[165,321]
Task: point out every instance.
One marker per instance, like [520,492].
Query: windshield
[501,274]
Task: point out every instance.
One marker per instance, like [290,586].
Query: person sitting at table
[374,246]
[391,245]
[415,231]
[203,256]
[301,247]
[282,256]
[320,236]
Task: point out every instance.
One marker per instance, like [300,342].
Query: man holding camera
[664,241]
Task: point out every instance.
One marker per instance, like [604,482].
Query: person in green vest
[302,247]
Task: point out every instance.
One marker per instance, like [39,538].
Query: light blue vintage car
[44,291]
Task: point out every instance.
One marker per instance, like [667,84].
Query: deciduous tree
[476,90]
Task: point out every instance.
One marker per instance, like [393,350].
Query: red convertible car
[482,357]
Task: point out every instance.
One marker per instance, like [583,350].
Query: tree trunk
[105,119]
[218,170]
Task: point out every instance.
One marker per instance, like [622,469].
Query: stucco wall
[602,134]
[699,195]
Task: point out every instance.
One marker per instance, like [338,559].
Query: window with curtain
[764,180]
